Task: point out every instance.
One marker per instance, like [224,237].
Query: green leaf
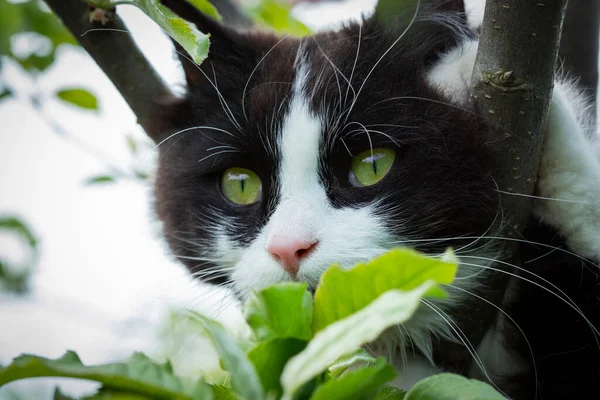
[59,395]
[142,176]
[78,97]
[139,375]
[95,180]
[452,387]
[206,8]
[363,383]
[111,395]
[132,144]
[276,15]
[280,311]
[15,278]
[36,62]
[347,335]
[5,94]
[269,359]
[11,281]
[11,19]
[31,16]
[244,378]
[19,227]
[195,43]
[39,19]
[390,393]
[396,13]
[202,390]
[341,293]
[223,393]
[348,360]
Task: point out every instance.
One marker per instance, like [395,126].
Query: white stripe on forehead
[299,142]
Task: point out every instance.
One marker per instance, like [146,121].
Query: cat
[286,155]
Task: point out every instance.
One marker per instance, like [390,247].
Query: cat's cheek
[345,237]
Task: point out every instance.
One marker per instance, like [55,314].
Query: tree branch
[117,55]
[512,79]
[115,52]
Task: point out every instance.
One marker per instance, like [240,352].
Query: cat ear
[225,43]
[398,16]
[456,6]
[428,28]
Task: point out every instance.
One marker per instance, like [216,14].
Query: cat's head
[288,155]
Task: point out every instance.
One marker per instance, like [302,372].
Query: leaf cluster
[31,17]
[44,34]
[300,348]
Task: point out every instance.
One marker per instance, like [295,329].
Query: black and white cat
[287,155]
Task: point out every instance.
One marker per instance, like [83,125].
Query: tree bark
[116,53]
[512,83]
[513,80]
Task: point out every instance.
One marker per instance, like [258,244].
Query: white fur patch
[300,188]
[474,10]
[569,176]
[452,73]
[345,236]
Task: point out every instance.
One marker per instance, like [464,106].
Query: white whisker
[463,338]
[335,71]
[414,17]
[254,70]
[354,65]
[544,198]
[216,154]
[104,29]
[508,239]
[533,363]
[569,303]
[224,104]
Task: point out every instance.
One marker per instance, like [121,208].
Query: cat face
[289,155]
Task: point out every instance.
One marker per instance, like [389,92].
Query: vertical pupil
[242,184]
[374,163]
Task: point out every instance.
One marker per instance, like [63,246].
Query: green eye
[241,186]
[370,166]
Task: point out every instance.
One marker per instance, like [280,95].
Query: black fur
[439,187]
[442,176]
[565,347]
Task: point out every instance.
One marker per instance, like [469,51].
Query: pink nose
[289,252]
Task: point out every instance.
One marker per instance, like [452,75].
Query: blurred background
[82,265]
